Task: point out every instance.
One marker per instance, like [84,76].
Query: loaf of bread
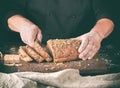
[60,50]
[63,49]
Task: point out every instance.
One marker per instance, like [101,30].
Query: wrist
[96,34]
[99,32]
[103,27]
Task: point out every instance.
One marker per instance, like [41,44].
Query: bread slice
[12,60]
[23,54]
[34,54]
[42,51]
[64,49]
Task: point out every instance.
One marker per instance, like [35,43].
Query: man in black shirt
[87,20]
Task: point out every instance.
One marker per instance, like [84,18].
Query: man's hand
[29,32]
[91,43]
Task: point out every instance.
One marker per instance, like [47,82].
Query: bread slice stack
[37,53]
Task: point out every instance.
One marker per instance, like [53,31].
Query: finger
[86,51]
[84,58]
[92,54]
[83,45]
[30,40]
[27,42]
[39,37]
[31,43]
[24,40]
[96,49]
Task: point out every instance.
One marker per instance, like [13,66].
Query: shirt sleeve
[11,8]
[103,9]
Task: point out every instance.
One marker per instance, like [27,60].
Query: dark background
[8,36]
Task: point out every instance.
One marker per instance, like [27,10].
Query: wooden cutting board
[94,66]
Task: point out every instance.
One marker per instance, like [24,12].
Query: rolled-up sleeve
[103,9]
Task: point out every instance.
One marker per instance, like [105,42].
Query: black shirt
[63,18]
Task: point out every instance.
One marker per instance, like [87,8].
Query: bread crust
[23,54]
[42,51]
[64,49]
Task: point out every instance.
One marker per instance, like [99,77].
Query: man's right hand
[29,32]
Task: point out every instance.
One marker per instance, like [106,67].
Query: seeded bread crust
[63,49]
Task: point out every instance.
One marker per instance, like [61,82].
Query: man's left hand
[91,43]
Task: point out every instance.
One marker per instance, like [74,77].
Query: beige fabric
[13,81]
[69,78]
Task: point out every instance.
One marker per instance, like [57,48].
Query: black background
[8,36]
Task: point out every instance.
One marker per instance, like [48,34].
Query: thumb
[31,40]
[39,37]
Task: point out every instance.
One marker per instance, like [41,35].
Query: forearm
[18,22]
[103,27]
